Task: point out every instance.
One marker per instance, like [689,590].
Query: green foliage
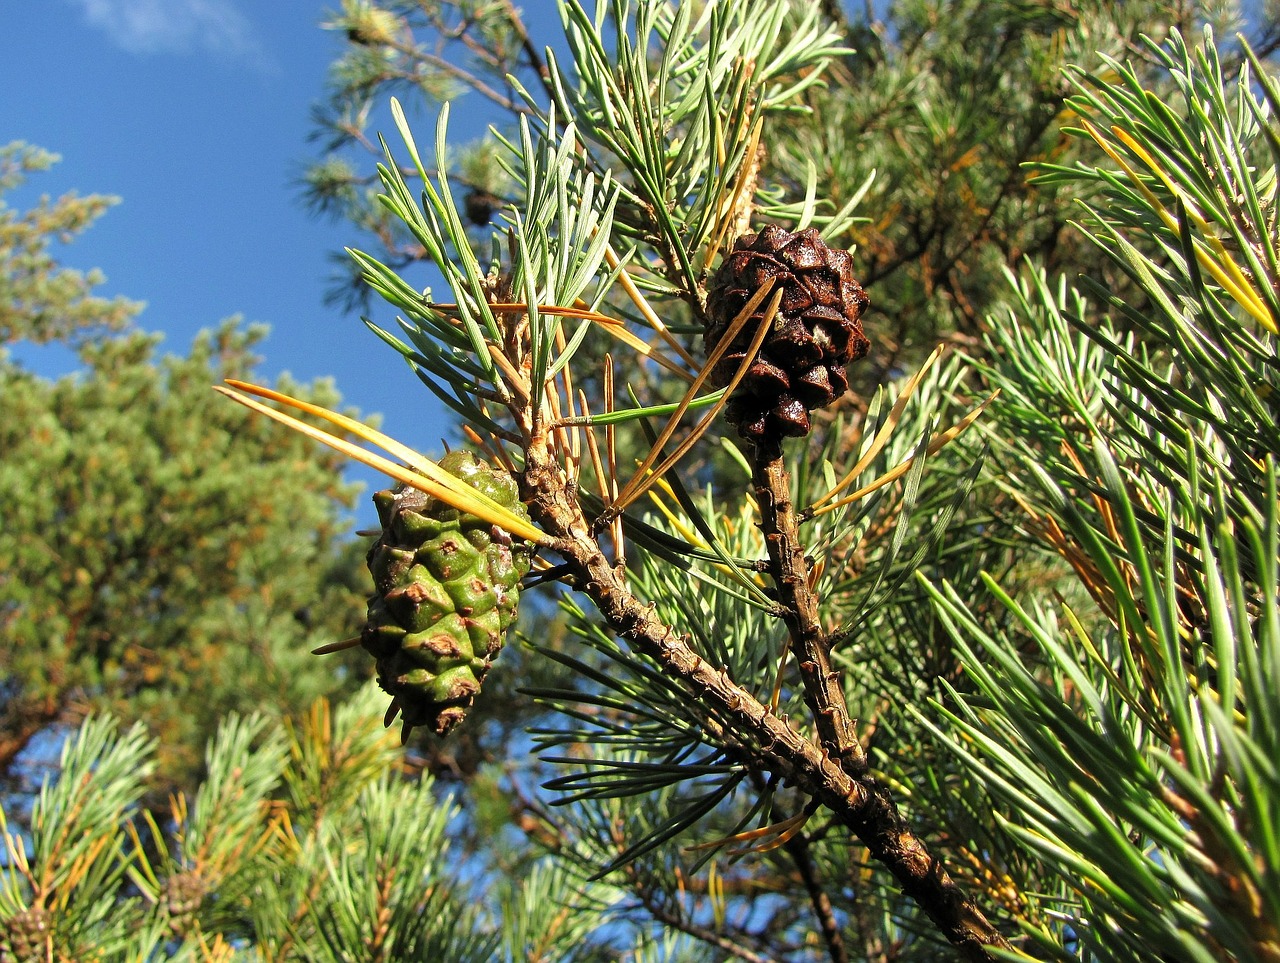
[1090,759]
[946,101]
[1011,688]
[924,117]
[299,845]
[39,300]
[166,557]
[648,763]
[1129,734]
[64,884]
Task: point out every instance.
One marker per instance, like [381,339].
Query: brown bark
[799,610]
[864,806]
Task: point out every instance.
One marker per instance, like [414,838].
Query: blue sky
[196,114]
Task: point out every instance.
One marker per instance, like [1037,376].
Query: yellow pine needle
[611,460]
[560,441]
[566,373]
[1144,155]
[792,826]
[15,851]
[732,204]
[715,893]
[142,873]
[427,477]
[650,316]
[1146,192]
[597,466]
[886,430]
[643,479]
[780,831]
[936,443]
[1238,285]
[371,435]
[775,697]
[1234,281]
[660,502]
[219,952]
[1082,637]
[569,435]
[1225,271]
[644,350]
[78,869]
[515,380]
[593,449]
[691,536]
[815,573]
[284,830]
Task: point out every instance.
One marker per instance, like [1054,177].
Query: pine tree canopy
[41,301]
[163,557]
[884,408]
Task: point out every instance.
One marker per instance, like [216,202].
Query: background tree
[155,560]
[300,843]
[40,301]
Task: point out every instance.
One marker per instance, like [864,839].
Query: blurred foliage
[165,557]
[41,301]
[161,556]
[302,842]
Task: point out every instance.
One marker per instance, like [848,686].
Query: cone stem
[780,525]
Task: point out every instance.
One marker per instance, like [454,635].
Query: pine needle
[330,647]
[426,477]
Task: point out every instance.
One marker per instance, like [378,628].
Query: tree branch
[797,848]
[530,51]
[790,570]
[865,807]
[658,910]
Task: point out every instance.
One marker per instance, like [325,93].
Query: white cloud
[175,26]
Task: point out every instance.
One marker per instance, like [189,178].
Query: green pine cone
[446,587]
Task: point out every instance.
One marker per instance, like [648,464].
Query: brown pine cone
[816,333]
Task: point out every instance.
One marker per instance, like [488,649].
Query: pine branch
[678,921]
[797,848]
[770,741]
[535,58]
[799,609]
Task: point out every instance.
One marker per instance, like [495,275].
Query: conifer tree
[670,182]
[153,560]
[41,301]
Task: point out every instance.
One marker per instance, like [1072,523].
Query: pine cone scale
[817,331]
[446,590]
